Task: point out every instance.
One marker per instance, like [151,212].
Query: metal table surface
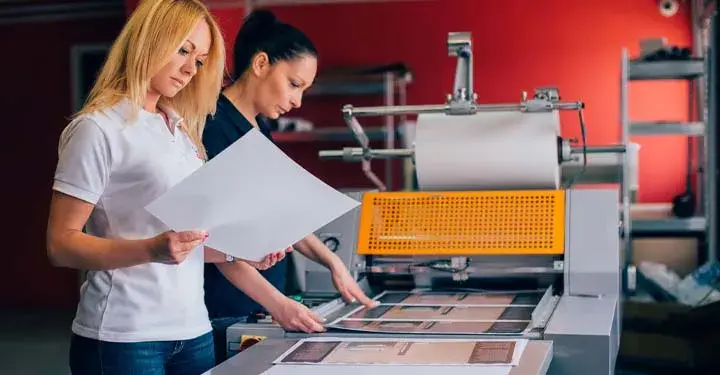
[258,358]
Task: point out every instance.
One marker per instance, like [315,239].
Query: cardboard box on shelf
[678,254]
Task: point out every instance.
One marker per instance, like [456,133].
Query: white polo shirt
[120,166]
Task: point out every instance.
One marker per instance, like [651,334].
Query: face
[282,84]
[184,63]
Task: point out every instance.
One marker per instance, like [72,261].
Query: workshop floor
[36,343]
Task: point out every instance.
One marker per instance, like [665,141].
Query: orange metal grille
[462,223]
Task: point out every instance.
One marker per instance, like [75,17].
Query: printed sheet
[409,352]
[444,313]
[434,327]
[450,298]
[384,370]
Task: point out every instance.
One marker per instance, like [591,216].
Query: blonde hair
[155,31]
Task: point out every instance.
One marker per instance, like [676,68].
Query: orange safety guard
[462,223]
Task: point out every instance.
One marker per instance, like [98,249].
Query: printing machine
[564,242]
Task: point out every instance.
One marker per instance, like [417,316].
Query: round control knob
[332,243]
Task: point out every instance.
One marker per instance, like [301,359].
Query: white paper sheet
[519,348]
[252,199]
[488,150]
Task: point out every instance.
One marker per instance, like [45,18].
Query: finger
[190,236]
[290,249]
[295,324]
[311,323]
[304,327]
[314,317]
[363,298]
[279,256]
[266,264]
[302,323]
[285,325]
[257,265]
[346,295]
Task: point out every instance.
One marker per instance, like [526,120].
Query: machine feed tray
[262,358]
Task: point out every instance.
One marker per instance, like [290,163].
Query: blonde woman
[141,307]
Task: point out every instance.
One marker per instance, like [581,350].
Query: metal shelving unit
[657,70]
[334,134]
[692,70]
[667,127]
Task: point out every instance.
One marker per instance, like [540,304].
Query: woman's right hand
[294,316]
[174,247]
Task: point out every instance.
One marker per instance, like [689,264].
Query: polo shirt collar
[125,109]
[175,119]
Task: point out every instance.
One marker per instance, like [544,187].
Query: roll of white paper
[487,151]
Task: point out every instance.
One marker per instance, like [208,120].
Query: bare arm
[315,250]
[246,278]
[215,256]
[68,246]
[289,313]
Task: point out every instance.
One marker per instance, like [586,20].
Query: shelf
[667,128]
[346,88]
[367,80]
[330,135]
[679,69]
[668,226]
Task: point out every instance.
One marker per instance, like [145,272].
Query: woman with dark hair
[274,64]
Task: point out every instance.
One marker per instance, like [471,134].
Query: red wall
[518,45]
[36,100]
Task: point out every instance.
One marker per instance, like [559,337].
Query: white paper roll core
[488,151]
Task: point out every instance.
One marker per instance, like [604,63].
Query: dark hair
[263,32]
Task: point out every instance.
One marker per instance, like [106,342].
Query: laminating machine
[553,253]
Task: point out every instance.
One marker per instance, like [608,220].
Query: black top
[222,298]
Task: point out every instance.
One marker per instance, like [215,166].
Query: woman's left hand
[269,260]
[349,288]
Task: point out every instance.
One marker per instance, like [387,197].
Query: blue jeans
[187,357]
[220,326]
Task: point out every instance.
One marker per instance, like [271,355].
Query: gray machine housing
[579,324]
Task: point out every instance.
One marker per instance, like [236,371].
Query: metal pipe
[698,89]
[357,153]
[711,143]
[389,128]
[614,149]
[350,111]
[396,110]
[629,268]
